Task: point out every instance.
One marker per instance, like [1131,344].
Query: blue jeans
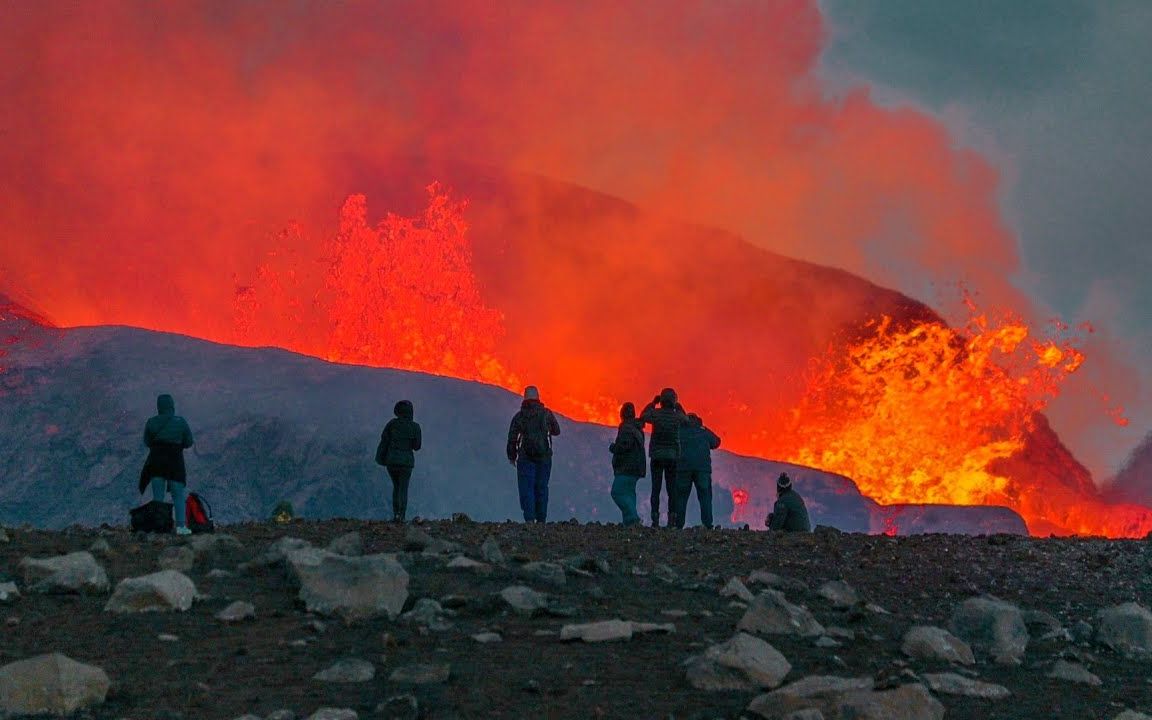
[179,496]
[624,495]
[532,476]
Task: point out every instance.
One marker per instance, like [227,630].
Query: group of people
[679,456]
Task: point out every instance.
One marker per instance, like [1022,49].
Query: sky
[1058,96]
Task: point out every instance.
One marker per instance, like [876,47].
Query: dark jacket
[628,450]
[696,445]
[533,424]
[789,513]
[666,422]
[400,439]
[166,435]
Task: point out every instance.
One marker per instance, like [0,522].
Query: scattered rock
[74,573]
[839,593]
[491,552]
[992,626]
[737,589]
[847,698]
[488,637]
[218,574]
[281,715]
[523,599]
[826,642]
[1081,631]
[51,683]
[546,571]
[1042,621]
[675,613]
[8,592]
[1132,715]
[603,631]
[160,591]
[334,714]
[422,674]
[417,539]
[237,612]
[278,551]
[178,557]
[352,588]
[4,538]
[168,637]
[640,628]
[399,707]
[1073,672]
[839,632]
[427,612]
[348,670]
[933,643]
[100,547]
[460,562]
[351,544]
[1126,628]
[744,662]
[771,614]
[776,582]
[953,684]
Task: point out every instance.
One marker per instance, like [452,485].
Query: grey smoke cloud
[1059,95]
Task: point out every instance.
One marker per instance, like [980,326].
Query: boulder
[53,684]
[1073,672]
[237,612]
[545,571]
[839,593]
[523,599]
[744,662]
[771,614]
[348,670]
[422,674]
[953,684]
[178,557]
[737,589]
[1126,628]
[933,643]
[161,591]
[991,626]
[74,573]
[351,588]
[848,698]
[351,544]
[603,631]
[491,552]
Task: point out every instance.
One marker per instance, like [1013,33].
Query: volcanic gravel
[218,670]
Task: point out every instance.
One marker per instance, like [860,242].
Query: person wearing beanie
[399,442]
[694,470]
[529,450]
[167,436]
[666,416]
[628,463]
[789,514]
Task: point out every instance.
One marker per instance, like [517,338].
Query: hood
[165,405]
[404,409]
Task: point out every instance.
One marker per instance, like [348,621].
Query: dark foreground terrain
[225,670]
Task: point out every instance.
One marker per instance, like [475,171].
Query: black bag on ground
[153,516]
[199,515]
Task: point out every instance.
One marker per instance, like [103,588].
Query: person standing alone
[628,463]
[530,451]
[396,452]
[167,436]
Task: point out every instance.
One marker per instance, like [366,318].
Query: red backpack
[199,515]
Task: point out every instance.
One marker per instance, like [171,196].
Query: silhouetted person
[628,463]
[397,452]
[167,435]
[530,450]
[664,449]
[789,513]
[694,470]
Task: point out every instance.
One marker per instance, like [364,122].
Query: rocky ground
[442,626]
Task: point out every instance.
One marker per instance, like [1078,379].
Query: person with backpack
[628,463]
[664,448]
[530,451]
[789,514]
[695,470]
[399,442]
[167,436]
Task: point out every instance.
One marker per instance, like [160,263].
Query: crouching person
[167,436]
[396,452]
[628,463]
[789,514]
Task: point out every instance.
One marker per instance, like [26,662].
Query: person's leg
[670,489]
[543,474]
[393,473]
[620,496]
[179,499]
[657,479]
[703,482]
[159,489]
[526,480]
[679,498]
[405,478]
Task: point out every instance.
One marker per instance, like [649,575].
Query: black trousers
[663,472]
[400,476]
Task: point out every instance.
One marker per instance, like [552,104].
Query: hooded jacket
[535,421]
[628,450]
[696,445]
[400,439]
[789,513]
[666,422]
[166,435]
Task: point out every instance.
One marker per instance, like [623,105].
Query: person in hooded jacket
[628,463]
[694,470]
[530,451]
[789,514]
[664,448]
[399,442]
[167,436]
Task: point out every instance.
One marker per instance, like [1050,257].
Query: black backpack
[199,515]
[153,516]
[537,439]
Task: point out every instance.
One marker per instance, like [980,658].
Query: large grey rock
[545,571]
[74,573]
[491,552]
[737,589]
[177,557]
[351,588]
[348,670]
[744,662]
[933,643]
[1126,628]
[603,631]
[523,599]
[237,611]
[848,699]
[8,592]
[161,591]
[467,564]
[953,684]
[771,614]
[991,626]
[351,544]
[423,674]
[52,683]
[839,593]
[1073,672]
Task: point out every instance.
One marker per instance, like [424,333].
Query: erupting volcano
[395,207]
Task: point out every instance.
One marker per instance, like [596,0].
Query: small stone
[675,613]
[1081,631]
[8,592]
[523,599]
[604,631]
[249,716]
[1073,672]
[933,643]
[348,670]
[168,637]
[461,562]
[839,632]
[826,642]
[839,593]
[350,544]
[218,574]
[178,557]
[953,684]
[546,571]
[334,714]
[4,538]
[399,707]
[237,612]
[488,637]
[422,674]
[491,552]
[737,589]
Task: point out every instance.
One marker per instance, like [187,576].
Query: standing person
[789,514]
[397,452]
[695,470]
[530,451]
[628,463]
[167,436]
[664,449]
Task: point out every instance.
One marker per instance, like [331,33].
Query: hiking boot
[183,531]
